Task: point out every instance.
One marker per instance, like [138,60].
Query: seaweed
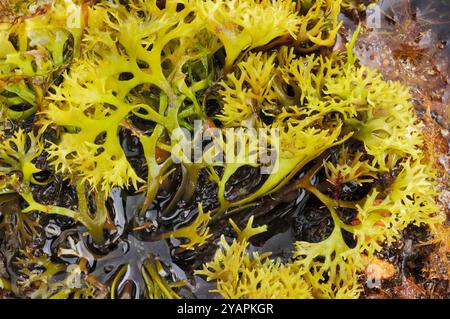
[111,110]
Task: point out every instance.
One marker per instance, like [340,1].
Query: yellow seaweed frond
[240,274]
[197,233]
[243,25]
[350,168]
